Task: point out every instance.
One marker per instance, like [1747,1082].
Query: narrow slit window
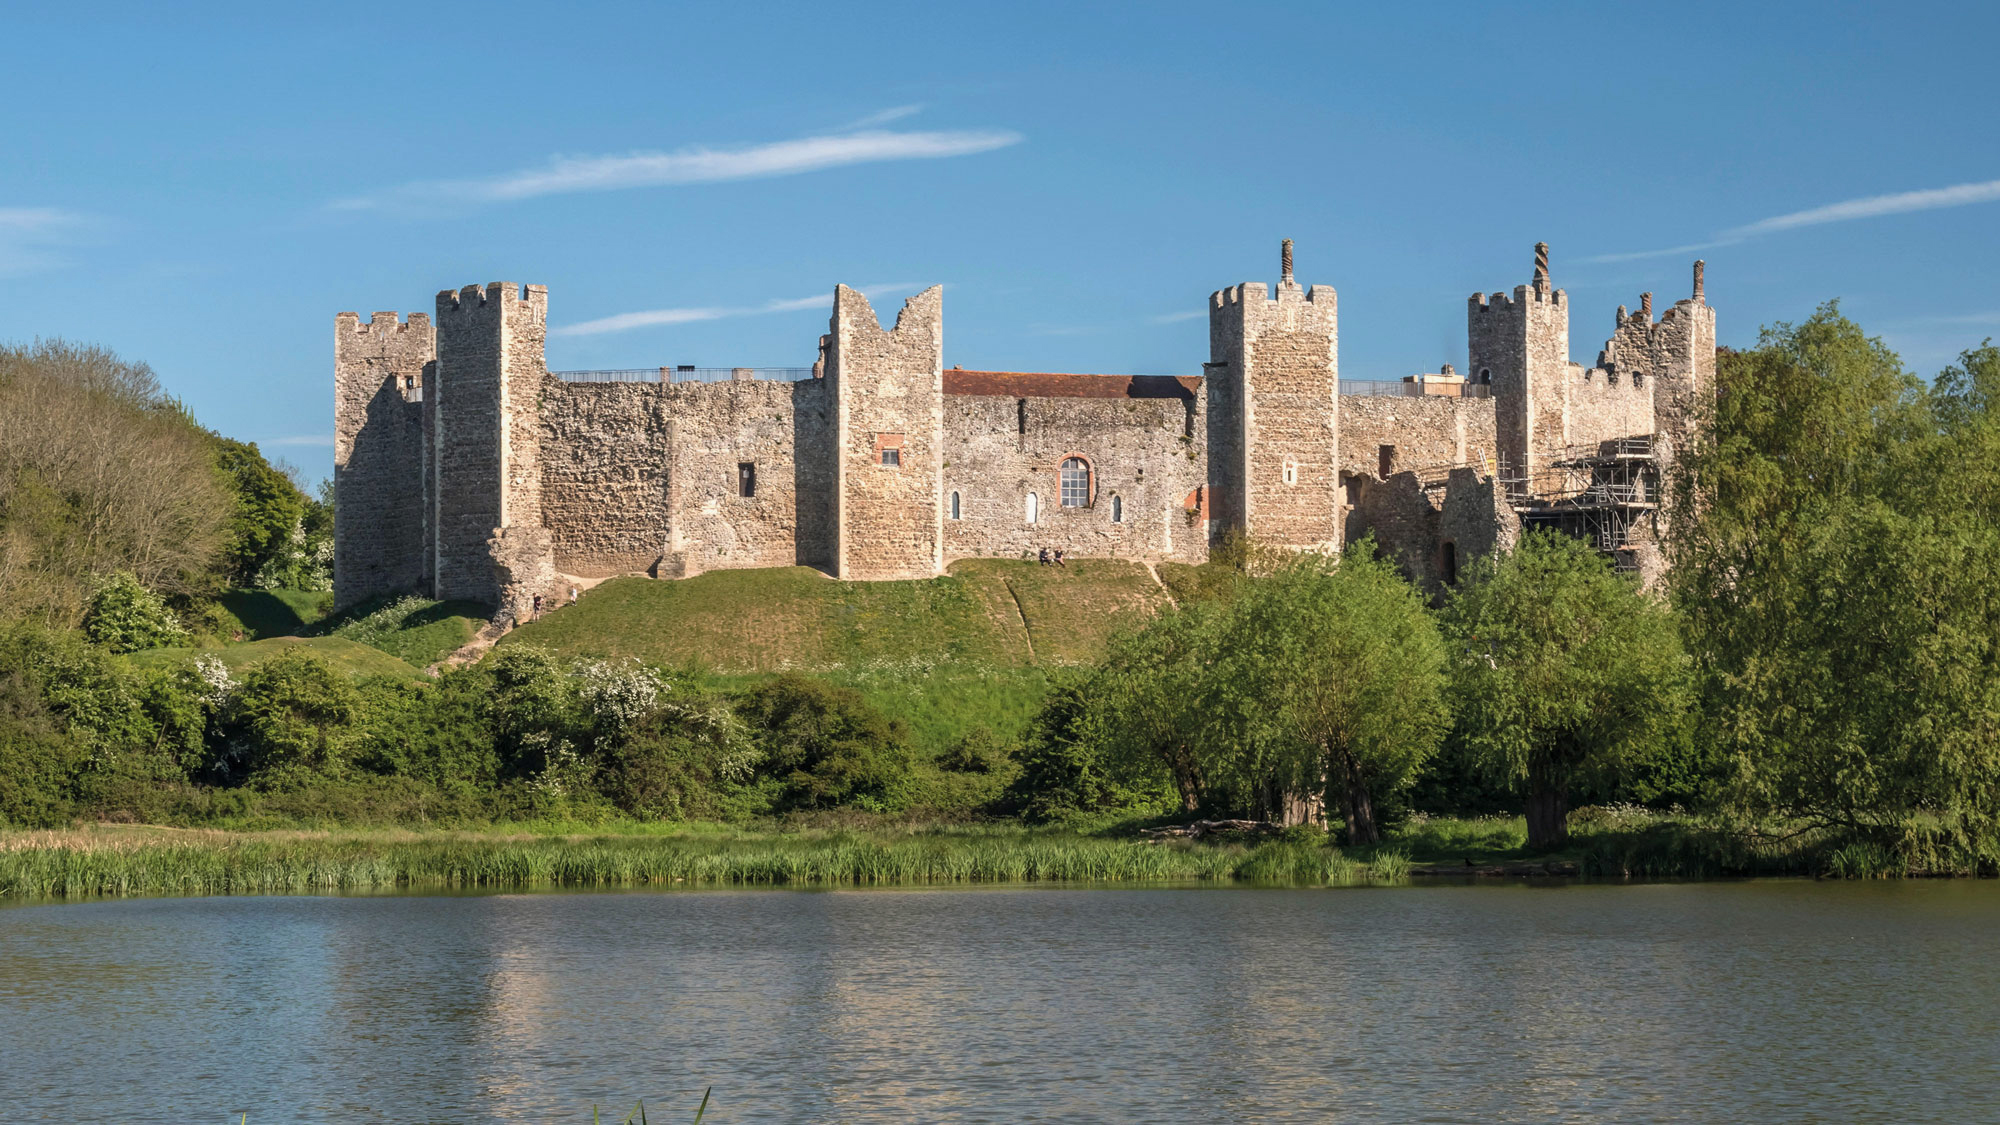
[1387,456]
[746,478]
[1117,509]
[954,505]
[1034,507]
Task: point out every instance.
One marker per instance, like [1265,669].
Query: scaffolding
[1599,493]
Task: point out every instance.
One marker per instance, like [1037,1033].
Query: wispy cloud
[303,439]
[1176,318]
[882,117]
[696,165]
[649,318]
[1847,211]
[30,237]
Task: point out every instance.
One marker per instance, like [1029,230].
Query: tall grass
[68,865]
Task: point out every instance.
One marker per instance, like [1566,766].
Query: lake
[1726,1002]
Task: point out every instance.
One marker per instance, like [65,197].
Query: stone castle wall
[889,426]
[1279,356]
[467,470]
[380,456]
[1007,435]
[490,380]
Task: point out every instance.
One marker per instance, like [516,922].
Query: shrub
[689,759]
[294,714]
[825,746]
[124,616]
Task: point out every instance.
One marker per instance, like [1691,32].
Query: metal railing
[686,375]
[1397,388]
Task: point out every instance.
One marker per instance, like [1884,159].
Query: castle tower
[1683,357]
[1521,346]
[1273,411]
[380,526]
[490,544]
[888,389]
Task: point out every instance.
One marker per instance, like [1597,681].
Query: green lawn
[276,613]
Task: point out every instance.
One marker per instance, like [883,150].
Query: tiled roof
[1048,384]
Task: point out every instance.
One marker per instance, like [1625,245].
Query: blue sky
[204,189]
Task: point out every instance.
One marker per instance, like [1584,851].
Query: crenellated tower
[1520,345]
[888,392]
[381,369]
[490,543]
[1273,411]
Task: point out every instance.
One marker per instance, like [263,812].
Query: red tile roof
[1047,384]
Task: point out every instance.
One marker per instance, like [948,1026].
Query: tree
[1156,709]
[100,472]
[1346,669]
[268,509]
[1565,672]
[1835,573]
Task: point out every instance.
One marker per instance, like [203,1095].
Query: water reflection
[1724,1002]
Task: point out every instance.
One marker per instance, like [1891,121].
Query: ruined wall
[1430,434]
[490,377]
[379,455]
[888,394]
[1430,437]
[1279,423]
[1599,404]
[1006,436]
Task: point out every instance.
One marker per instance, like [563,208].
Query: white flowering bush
[617,694]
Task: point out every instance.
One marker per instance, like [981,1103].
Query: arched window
[1117,509]
[1034,507]
[954,505]
[1075,482]
[1486,375]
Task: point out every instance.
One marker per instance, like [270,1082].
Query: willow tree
[1566,673]
[1155,707]
[1344,671]
[1835,571]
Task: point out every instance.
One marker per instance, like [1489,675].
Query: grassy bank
[110,860]
[991,612]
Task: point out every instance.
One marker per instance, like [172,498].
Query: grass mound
[993,612]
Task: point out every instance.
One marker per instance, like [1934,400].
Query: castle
[464,468]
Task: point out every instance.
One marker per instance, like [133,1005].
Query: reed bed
[83,864]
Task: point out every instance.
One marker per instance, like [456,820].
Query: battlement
[473,300]
[382,322]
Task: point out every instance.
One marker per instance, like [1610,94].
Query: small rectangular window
[746,478]
[1388,457]
[893,458]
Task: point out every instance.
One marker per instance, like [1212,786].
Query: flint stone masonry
[380,454]
[465,469]
[889,522]
[1007,435]
[1274,414]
